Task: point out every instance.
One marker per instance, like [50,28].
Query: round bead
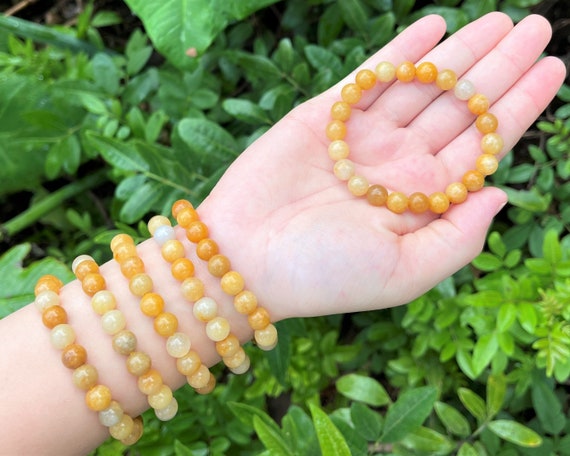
[426,72]
[464,89]
[168,412]
[73,356]
[487,164]
[266,338]
[119,239]
[132,266]
[113,321]
[98,398]
[335,130]
[151,304]
[236,359]
[92,283]
[182,269]
[186,216]
[140,284]
[241,368]
[478,104]
[103,301]
[218,265]
[209,386]
[385,72]
[227,346]
[179,205]
[189,363]
[377,195]
[341,110]
[178,345]
[172,250]
[156,222]
[165,324]
[124,251]
[163,234]
[199,378]
[85,377]
[456,192]
[245,302]
[397,202]
[259,318]
[124,342]
[418,202]
[123,428]
[358,185]
[232,283]
[62,335]
[365,79]
[218,328]
[486,123]
[492,143]
[136,432]
[196,231]
[53,316]
[351,93]
[84,265]
[46,299]
[138,363]
[446,79]
[161,398]
[205,309]
[343,169]
[192,289]
[150,382]
[48,282]
[438,202]
[338,149]
[111,415]
[206,249]
[406,72]
[473,180]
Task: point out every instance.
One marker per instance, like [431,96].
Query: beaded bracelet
[231,282]
[417,202]
[178,344]
[204,307]
[139,364]
[98,397]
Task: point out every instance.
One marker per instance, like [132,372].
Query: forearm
[42,411]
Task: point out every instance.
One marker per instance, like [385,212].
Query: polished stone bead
[124,342]
[232,283]
[178,345]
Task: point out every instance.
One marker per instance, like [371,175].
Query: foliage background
[105,119]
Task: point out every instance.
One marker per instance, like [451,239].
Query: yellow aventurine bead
[343,169]
[98,398]
[232,283]
[397,202]
[406,72]
[103,301]
[266,338]
[259,318]
[165,324]
[92,283]
[119,239]
[487,164]
[341,110]
[228,346]
[172,250]
[178,345]
[358,185]
[426,72]
[150,382]
[62,335]
[418,202]
[338,150]
[200,378]
[217,329]
[123,428]
[492,143]
[46,299]
[111,415]
[351,94]
[140,284]
[209,386]
[365,79]
[189,363]
[235,360]
[124,251]
[124,342]
[473,180]
[85,377]
[487,123]
[456,192]
[161,398]
[218,265]
[168,412]
[136,432]
[157,221]
[192,289]
[245,302]
[385,71]
[336,129]
[138,363]
[205,309]
[241,368]
[113,321]
[151,304]
[446,79]
[438,202]
[478,104]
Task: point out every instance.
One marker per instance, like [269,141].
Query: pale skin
[305,246]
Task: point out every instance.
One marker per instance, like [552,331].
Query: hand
[307,247]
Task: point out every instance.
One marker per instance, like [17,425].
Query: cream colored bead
[464,89]
[140,284]
[168,412]
[205,309]
[103,301]
[123,428]
[192,289]
[243,367]
[236,359]
[344,169]
[80,259]
[200,378]
[156,221]
[160,399]
[218,329]
[358,185]
[124,342]
[62,335]
[113,321]
[46,299]
[189,363]
[164,234]
[266,338]
[338,150]
[178,345]
[385,71]
[112,415]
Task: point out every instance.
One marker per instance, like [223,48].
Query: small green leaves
[363,389]
[331,441]
[473,403]
[514,432]
[454,422]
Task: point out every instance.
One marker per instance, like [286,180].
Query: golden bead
[124,342]
[182,269]
[235,360]
[259,318]
[123,429]
[232,283]
[206,249]
[192,289]
[377,195]
[209,386]
[123,251]
[218,265]
[140,284]
[83,265]
[335,130]
[205,309]
[385,72]
[473,180]
[200,378]
[161,398]
[119,239]
[365,79]
[53,316]
[103,301]
[150,382]
[218,328]
[245,302]
[186,216]
[492,143]
[189,363]
[406,72]
[92,283]
[168,412]
[351,93]
[438,202]
[132,266]
[48,282]
[358,185]
[178,345]
[46,299]
[98,398]
[178,205]
[138,363]
[136,432]
[418,202]
[338,150]
[196,231]
[478,104]
[426,72]
[165,324]
[486,164]
[157,221]
[343,169]
[227,346]
[151,304]
[446,79]
[397,202]
[73,356]
[85,377]
[172,250]
[341,110]
[266,338]
[486,123]
[456,192]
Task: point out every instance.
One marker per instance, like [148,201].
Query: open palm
[307,247]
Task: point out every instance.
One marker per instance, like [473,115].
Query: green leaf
[118,154]
[428,441]
[321,58]
[452,419]
[367,422]
[506,317]
[547,407]
[363,389]
[207,139]
[496,244]
[551,248]
[408,413]
[355,14]
[467,450]
[299,431]
[485,349]
[272,439]
[531,200]
[279,358]
[331,441]
[246,414]
[473,403]
[496,390]
[516,433]
[246,111]
[141,201]
[487,262]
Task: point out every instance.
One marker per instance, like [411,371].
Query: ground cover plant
[103,124]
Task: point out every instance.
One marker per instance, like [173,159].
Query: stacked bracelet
[98,397]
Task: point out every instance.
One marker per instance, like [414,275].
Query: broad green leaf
[547,407]
[141,202]
[331,441]
[321,58]
[452,419]
[182,450]
[428,441]
[363,389]
[506,317]
[367,422]
[355,13]
[473,403]
[527,316]
[299,431]
[118,154]
[485,349]
[408,413]
[477,8]
[272,439]
[516,433]
[530,200]
[551,248]
[496,390]
[246,414]
[467,450]
[279,358]
[381,28]
[207,139]
[108,75]
[487,262]
[246,111]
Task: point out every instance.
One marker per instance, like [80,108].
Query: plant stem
[49,203]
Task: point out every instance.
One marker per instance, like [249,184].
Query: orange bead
[487,164]
[351,93]
[172,250]
[336,130]
[232,283]
[228,347]
[365,79]
[124,251]
[487,123]
[341,111]
[150,382]
[200,378]
[98,398]
[259,318]
[492,143]
[245,302]
[397,202]
[196,231]
[48,282]
[165,324]
[152,304]
[456,192]
[218,265]
[406,72]
[92,283]
[73,356]
[206,249]
[446,79]
[136,432]
[189,363]
[84,268]
[182,269]
[377,195]
[478,104]
[426,72]
[192,289]
[186,216]
[473,180]
[209,387]
[119,239]
[178,205]
[418,202]
[438,202]
[53,316]
[132,266]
